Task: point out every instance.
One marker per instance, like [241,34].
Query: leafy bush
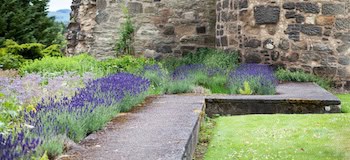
[85,63]
[300,76]
[79,64]
[12,55]
[10,61]
[125,63]
[27,50]
[52,51]
[208,57]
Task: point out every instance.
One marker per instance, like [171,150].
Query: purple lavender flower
[17,146]
[260,76]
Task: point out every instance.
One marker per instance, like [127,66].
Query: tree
[26,21]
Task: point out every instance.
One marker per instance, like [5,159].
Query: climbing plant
[123,45]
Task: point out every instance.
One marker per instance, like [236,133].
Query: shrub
[300,76]
[78,64]
[125,63]
[27,50]
[260,79]
[52,51]
[10,61]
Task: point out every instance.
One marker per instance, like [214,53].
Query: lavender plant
[89,109]
[31,88]
[260,78]
[17,146]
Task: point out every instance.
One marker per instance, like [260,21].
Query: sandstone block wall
[162,26]
[312,35]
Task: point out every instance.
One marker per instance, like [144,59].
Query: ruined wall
[162,26]
[312,35]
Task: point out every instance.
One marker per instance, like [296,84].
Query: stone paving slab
[291,98]
[165,129]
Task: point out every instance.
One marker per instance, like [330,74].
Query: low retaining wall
[292,98]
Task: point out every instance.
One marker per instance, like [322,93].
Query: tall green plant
[123,45]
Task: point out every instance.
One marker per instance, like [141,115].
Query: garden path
[161,129]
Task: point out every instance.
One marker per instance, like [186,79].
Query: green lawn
[298,137]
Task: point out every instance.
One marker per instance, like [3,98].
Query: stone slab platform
[291,98]
[165,129]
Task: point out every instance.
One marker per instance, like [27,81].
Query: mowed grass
[282,137]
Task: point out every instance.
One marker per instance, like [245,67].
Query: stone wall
[312,35]
[162,26]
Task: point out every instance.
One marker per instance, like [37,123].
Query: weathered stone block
[325,71]
[252,57]
[311,30]
[299,18]
[268,44]
[289,5]
[344,60]
[345,48]
[201,29]
[252,43]
[284,44]
[290,14]
[294,36]
[322,47]
[266,14]
[325,20]
[224,41]
[135,7]
[243,4]
[293,57]
[308,7]
[164,49]
[187,49]
[333,9]
[102,17]
[275,55]
[169,29]
[101,4]
[342,23]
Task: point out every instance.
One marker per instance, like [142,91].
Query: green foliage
[27,51]
[300,76]
[10,61]
[178,86]
[52,51]
[12,54]
[27,22]
[126,63]
[51,65]
[246,90]
[53,146]
[255,87]
[10,115]
[216,83]
[209,57]
[345,102]
[124,42]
